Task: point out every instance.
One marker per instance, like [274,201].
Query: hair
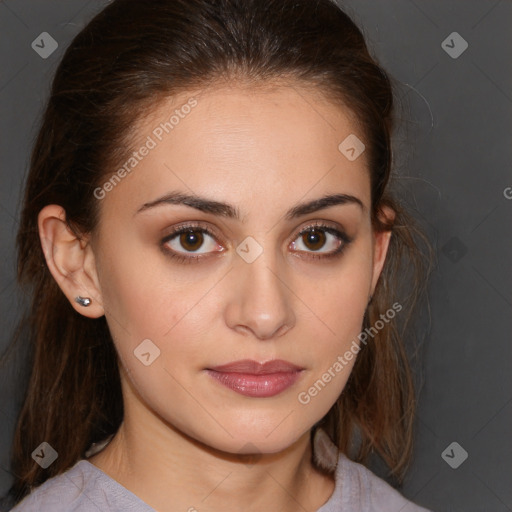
[130,57]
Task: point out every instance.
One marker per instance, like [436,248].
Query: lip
[253,379]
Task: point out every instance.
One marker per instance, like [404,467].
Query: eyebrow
[232,212]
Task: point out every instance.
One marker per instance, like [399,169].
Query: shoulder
[68,491]
[82,488]
[356,488]
[364,489]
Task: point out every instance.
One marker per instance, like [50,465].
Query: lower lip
[259,386]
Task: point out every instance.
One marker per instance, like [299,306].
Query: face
[250,268]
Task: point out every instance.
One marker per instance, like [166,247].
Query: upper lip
[253,367]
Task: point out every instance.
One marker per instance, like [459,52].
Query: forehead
[244,144]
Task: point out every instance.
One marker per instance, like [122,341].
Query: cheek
[341,310]
[141,296]
[342,296]
[339,303]
[154,302]
[139,307]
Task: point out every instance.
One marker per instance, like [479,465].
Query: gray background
[454,151]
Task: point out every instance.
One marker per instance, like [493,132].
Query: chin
[263,438]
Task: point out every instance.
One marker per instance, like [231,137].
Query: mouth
[258,380]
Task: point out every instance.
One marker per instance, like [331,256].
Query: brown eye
[191,240]
[324,240]
[314,239]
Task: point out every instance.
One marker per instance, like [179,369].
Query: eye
[190,239]
[319,238]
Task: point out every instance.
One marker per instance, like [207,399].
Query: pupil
[315,238]
[191,240]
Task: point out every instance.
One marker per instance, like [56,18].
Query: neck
[171,471]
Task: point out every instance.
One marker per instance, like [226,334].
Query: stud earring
[83,301]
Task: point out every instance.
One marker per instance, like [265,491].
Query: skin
[187,441]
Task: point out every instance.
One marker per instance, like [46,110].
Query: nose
[261,299]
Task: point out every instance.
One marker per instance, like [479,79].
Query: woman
[214,257]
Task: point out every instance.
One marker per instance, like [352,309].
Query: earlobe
[70,261]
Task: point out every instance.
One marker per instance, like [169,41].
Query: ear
[70,260]
[380,245]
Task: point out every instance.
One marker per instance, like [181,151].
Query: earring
[83,301]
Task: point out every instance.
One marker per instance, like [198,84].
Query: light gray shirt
[85,488]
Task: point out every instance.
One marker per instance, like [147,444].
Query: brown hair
[132,55]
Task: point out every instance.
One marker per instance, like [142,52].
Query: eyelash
[340,235]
